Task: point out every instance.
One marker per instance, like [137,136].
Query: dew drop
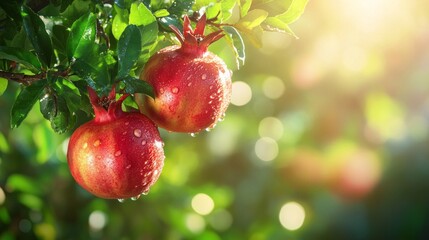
[213,96]
[171,108]
[85,145]
[210,102]
[99,157]
[161,90]
[127,123]
[211,87]
[222,117]
[129,166]
[135,198]
[189,84]
[208,129]
[137,133]
[118,153]
[145,192]
[144,142]
[121,200]
[124,133]
[204,76]
[193,134]
[155,172]
[97,143]
[175,90]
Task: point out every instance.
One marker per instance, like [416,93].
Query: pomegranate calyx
[194,41]
[106,108]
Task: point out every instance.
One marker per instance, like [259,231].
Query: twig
[29,79]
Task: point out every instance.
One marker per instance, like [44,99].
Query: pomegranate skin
[116,159]
[192,90]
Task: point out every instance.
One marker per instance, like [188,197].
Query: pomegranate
[117,154]
[192,85]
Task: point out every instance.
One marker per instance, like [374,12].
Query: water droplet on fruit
[204,76]
[144,142]
[208,129]
[124,133]
[211,87]
[85,145]
[222,117]
[126,123]
[137,133]
[97,143]
[171,108]
[118,153]
[99,157]
[135,198]
[161,90]
[175,90]
[121,200]
[189,84]
[145,192]
[210,102]
[193,134]
[155,172]
[129,166]
[213,96]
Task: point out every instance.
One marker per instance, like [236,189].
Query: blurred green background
[326,138]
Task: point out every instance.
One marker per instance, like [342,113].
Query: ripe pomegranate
[192,85]
[117,154]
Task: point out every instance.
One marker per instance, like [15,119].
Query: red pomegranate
[192,85]
[117,154]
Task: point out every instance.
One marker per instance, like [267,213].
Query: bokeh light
[292,215]
[97,220]
[2,196]
[271,127]
[273,87]
[202,204]
[241,93]
[195,223]
[266,149]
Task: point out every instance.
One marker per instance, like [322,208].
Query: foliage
[73,44]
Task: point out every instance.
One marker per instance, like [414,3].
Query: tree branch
[29,79]
[22,78]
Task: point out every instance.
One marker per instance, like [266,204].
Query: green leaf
[11,8]
[82,36]
[18,182]
[120,22]
[149,40]
[179,7]
[129,47]
[165,22]
[280,23]
[135,85]
[25,101]
[60,121]
[227,7]
[3,85]
[253,19]
[70,92]
[295,10]
[276,25]
[21,56]
[39,38]
[161,13]
[94,70]
[244,7]
[140,15]
[236,41]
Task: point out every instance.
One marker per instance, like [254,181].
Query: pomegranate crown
[106,108]
[195,40]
